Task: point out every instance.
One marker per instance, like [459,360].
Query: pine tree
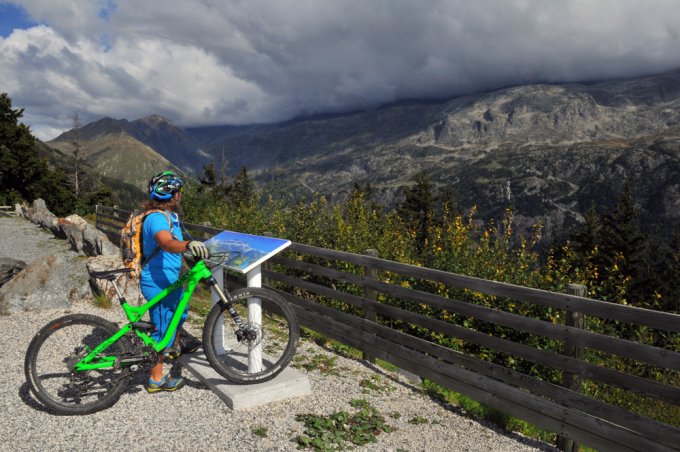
[242,191]
[19,161]
[586,237]
[416,211]
[24,175]
[667,269]
[623,246]
[208,179]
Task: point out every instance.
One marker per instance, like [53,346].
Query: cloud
[216,62]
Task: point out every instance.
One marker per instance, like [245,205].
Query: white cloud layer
[217,62]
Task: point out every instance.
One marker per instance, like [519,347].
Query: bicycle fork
[243,331]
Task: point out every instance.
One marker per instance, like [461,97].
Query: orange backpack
[131,241]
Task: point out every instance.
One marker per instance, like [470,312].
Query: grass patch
[199,308]
[260,431]
[375,383]
[477,410]
[418,420]
[341,429]
[102,301]
[359,403]
[341,349]
[345,350]
[385,365]
[318,361]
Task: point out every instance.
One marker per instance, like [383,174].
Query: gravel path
[194,418]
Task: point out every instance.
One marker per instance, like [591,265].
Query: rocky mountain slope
[532,114]
[115,154]
[131,151]
[549,151]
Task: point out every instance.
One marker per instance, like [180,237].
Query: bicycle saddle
[110,275]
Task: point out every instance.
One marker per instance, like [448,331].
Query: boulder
[96,243]
[48,282]
[74,235]
[39,214]
[77,220]
[127,285]
[9,267]
[83,237]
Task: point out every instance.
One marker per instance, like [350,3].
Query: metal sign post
[248,252]
[254,278]
[219,336]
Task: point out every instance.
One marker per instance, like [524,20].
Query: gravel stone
[196,419]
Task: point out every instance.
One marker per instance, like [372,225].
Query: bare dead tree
[78,175]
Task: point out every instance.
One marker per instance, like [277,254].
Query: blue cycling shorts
[161,314]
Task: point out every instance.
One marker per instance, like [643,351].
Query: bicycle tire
[60,344]
[277,337]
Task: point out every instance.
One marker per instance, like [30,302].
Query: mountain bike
[80,364]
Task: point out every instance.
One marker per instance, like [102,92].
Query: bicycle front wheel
[262,349]
[54,351]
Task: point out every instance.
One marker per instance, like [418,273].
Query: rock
[48,282]
[83,237]
[73,228]
[39,214]
[57,228]
[128,286]
[9,267]
[76,220]
[96,243]
[74,235]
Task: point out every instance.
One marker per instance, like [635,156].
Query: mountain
[549,151]
[152,132]
[532,114]
[116,154]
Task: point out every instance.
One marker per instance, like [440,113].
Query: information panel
[245,251]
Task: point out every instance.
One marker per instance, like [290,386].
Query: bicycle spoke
[258,351]
[51,359]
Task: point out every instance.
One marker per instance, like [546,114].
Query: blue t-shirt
[163,269]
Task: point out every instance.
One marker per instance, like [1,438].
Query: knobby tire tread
[38,341]
[220,308]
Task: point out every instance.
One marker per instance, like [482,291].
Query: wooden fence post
[370,272]
[569,380]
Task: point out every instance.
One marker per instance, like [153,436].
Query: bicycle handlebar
[214,260]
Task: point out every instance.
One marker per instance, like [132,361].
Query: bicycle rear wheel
[54,351]
[273,339]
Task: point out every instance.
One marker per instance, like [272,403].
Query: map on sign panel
[245,251]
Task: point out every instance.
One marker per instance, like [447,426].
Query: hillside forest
[607,253]
[29,169]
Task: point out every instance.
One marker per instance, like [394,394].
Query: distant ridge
[112,152]
[548,151]
[155,131]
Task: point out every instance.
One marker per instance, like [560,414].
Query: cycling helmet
[163,185]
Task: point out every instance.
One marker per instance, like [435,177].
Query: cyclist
[163,244]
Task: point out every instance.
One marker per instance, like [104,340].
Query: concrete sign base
[289,383]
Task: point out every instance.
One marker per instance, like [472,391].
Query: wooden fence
[7,211]
[364,312]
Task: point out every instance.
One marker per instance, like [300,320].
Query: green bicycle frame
[191,278]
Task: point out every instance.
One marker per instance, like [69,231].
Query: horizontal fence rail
[363,314]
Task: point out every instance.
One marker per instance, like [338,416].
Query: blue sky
[237,62]
[11,17]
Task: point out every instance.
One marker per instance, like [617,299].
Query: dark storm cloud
[216,62]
